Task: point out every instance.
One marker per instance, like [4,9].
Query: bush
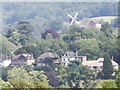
[109,84]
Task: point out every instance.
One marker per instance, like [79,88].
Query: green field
[105,18]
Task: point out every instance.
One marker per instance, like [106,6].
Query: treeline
[47,15]
[88,41]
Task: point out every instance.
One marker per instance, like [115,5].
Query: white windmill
[73,19]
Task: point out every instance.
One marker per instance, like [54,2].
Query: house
[70,56]
[23,59]
[67,57]
[94,23]
[93,64]
[98,64]
[5,60]
[41,60]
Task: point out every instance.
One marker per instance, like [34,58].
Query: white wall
[6,62]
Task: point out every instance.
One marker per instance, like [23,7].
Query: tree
[52,32]
[4,84]
[118,81]
[107,66]
[100,75]
[7,47]
[53,79]
[74,73]
[86,47]
[20,78]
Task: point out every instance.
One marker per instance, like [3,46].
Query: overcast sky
[59,0]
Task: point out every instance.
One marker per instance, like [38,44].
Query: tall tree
[107,66]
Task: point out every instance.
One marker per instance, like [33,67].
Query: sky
[60,0]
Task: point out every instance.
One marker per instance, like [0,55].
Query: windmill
[73,19]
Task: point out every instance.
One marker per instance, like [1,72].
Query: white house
[67,57]
[93,64]
[71,56]
[98,64]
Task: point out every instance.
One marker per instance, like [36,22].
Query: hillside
[105,18]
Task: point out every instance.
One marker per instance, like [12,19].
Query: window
[95,67]
[101,67]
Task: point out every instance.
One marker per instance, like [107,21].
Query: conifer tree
[107,66]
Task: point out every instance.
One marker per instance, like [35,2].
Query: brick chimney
[76,53]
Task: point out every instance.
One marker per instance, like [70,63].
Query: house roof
[94,21]
[70,54]
[98,62]
[46,55]
[26,56]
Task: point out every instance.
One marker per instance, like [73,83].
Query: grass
[105,18]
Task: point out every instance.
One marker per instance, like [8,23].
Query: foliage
[4,84]
[52,77]
[52,32]
[4,72]
[108,84]
[23,79]
[6,46]
[74,72]
[51,11]
[21,33]
[100,75]
[45,68]
[107,66]
[118,81]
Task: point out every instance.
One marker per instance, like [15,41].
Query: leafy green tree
[86,47]
[45,68]
[107,66]
[74,72]
[39,75]
[7,47]
[4,84]
[20,78]
[18,74]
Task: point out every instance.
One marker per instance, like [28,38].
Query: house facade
[98,64]
[71,56]
[93,64]
[94,23]
[23,59]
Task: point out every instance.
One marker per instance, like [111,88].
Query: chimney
[112,58]
[76,52]
[6,56]
[84,58]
